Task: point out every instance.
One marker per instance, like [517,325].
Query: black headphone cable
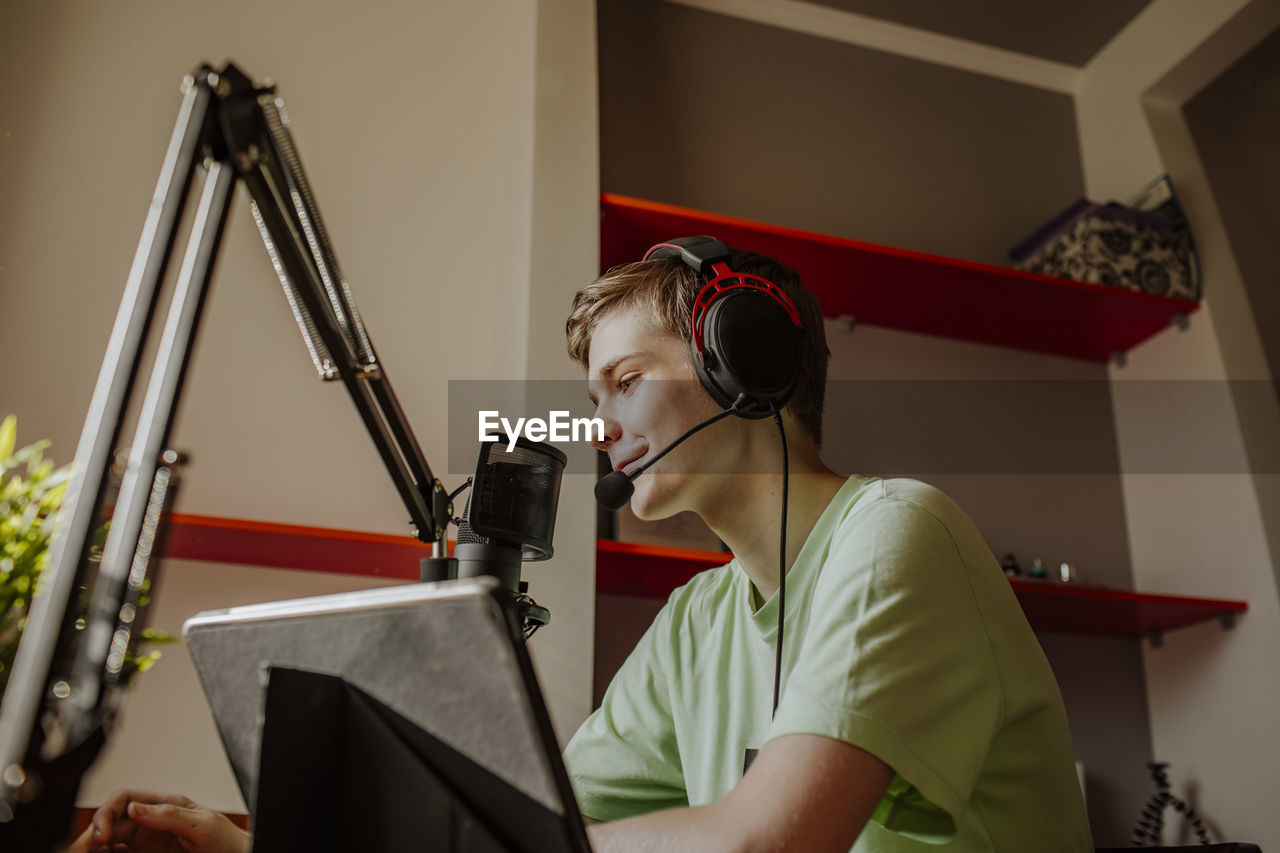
[782,561]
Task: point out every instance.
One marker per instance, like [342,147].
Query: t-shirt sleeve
[624,760]
[897,661]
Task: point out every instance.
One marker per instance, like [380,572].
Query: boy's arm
[804,792]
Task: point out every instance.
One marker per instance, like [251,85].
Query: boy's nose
[612,431]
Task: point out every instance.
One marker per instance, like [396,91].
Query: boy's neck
[748,520]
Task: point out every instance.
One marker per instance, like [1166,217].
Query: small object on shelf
[1067,573]
[1145,247]
[1037,569]
[1010,565]
[1150,825]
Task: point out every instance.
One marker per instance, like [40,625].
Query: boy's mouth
[627,463]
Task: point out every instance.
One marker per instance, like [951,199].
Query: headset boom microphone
[615,488]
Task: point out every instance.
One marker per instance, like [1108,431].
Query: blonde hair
[664,291]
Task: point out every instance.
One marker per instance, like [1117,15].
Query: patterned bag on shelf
[1147,249]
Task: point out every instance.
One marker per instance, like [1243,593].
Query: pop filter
[514,495]
[510,518]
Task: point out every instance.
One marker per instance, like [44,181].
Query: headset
[746,352]
[746,330]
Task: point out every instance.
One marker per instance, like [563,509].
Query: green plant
[31,492]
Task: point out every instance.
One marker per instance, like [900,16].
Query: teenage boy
[917,710]
[916,705]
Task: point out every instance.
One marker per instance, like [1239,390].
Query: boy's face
[645,390]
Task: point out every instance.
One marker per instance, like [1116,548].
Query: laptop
[396,718]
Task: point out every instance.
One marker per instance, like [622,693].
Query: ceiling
[1070,33]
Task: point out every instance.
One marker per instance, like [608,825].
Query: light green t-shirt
[902,637]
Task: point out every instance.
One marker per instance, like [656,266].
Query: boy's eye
[627,381]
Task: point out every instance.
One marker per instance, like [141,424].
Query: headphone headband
[698,252]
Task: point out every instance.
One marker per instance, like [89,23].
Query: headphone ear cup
[752,348]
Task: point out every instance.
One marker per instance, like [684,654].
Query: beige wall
[416,123]
[1230,127]
[1213,694]
[564,254]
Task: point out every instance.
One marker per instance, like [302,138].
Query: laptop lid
[447,657]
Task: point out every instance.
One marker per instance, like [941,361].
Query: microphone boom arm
[50,732]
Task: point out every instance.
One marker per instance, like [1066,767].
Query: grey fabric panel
[447,665]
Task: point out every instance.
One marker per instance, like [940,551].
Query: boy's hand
[145,822]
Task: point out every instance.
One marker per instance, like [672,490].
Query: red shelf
[651,571]
[292,546]
[912,291]
[1072,609]
[646,570]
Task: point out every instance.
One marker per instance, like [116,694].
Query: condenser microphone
[510,514]
[509,519]
[615,488]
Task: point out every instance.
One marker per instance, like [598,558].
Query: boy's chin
[652,504]
[659,496]
[642,510]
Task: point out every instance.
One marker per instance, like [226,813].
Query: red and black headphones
[746,330]
[746,346]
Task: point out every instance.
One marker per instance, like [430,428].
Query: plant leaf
[8,436]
